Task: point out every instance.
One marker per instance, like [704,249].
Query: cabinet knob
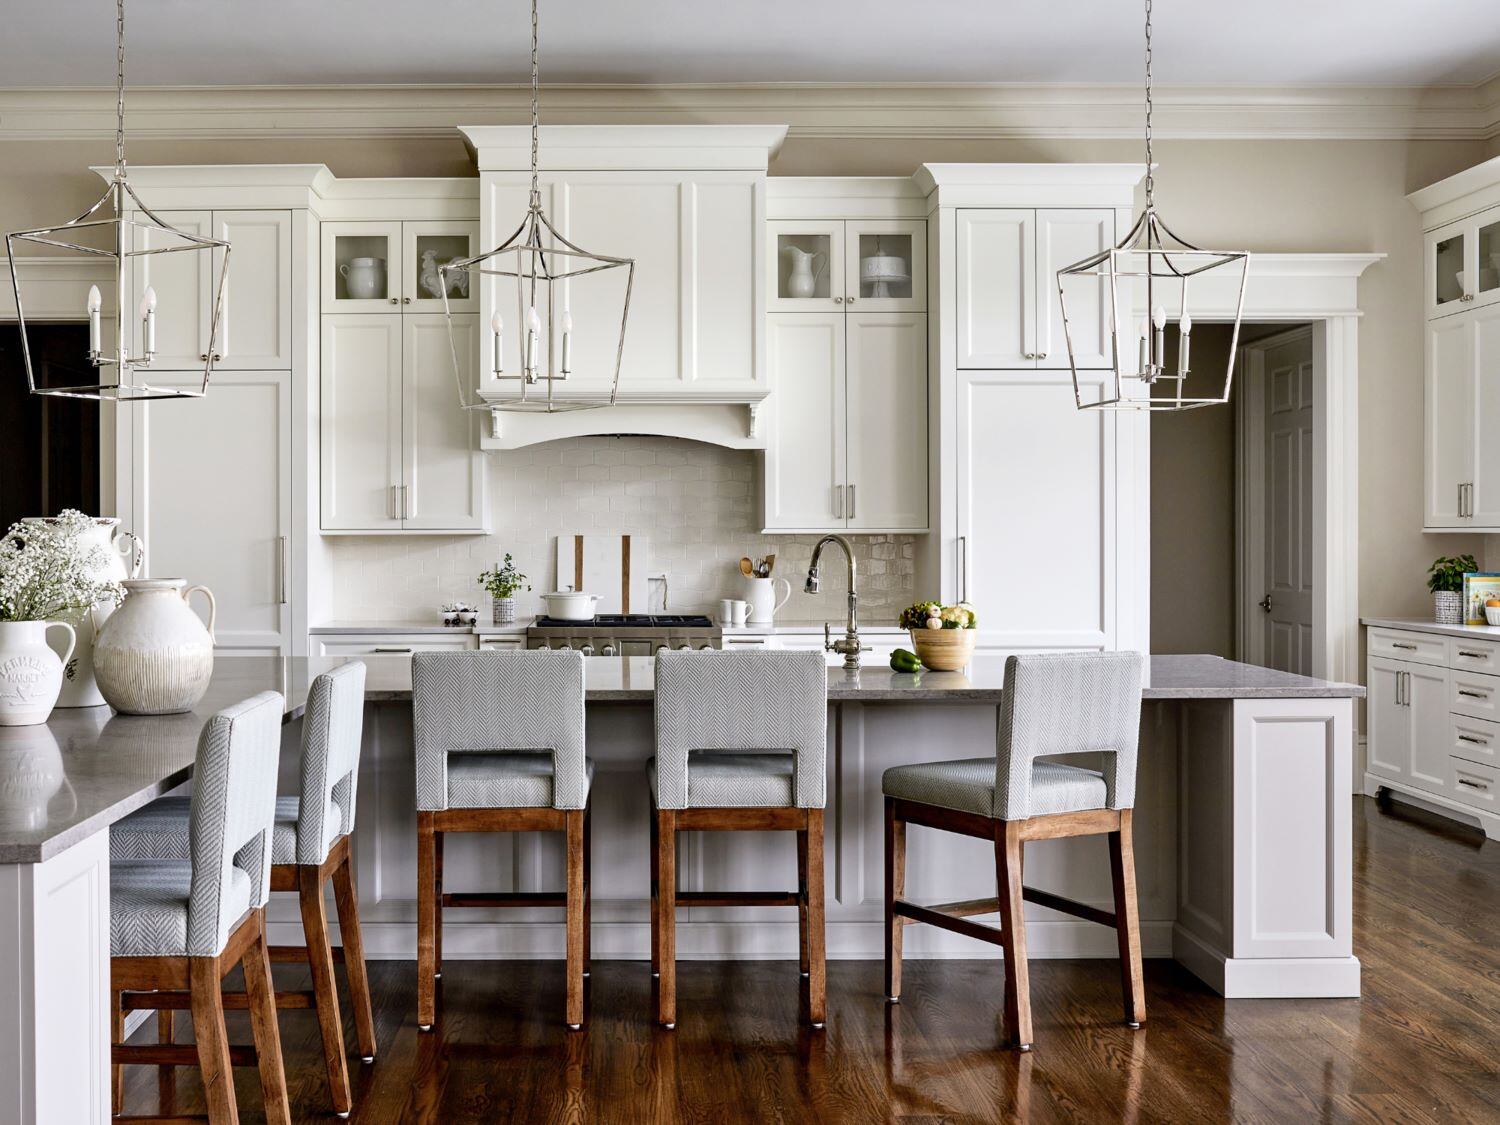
[406,300]
[395,300]
[1041,355]
[838,300]
[851,300]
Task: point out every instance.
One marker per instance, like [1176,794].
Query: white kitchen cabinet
[398,453]
[1462,472]
[847,441]
[876,265]
[255,331]
[395,264]
[1461,264]
[1036,511]
[392,644]
[1009,315]
[212,484]
[1409,733]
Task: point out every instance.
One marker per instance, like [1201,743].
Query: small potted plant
[1445,578]
[501,583]
[943,636]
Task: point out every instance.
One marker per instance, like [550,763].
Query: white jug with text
[761,594]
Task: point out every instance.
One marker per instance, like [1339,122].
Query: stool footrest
[179,1001]
[163,1118]
[506,898]
[297,954]
[172,1054]
[958,925]
[1068,906]
[738,898]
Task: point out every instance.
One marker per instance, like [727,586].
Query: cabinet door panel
[1450,419]
[256,329]
[361,422]
[818,245]
[361,267]
[996,288]
[427,245]
[1427,703]
[886,404]
[184,284]
[226,530]
[1388,744]
[805,457]
[1484,425]
[1036,507]
[723,287]
[443,469]
[1448,272]
[886,264]
[1066,236]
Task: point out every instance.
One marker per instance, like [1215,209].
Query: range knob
[684,648]
[661,648]
[544,645]
[587,650]
[705,648]
[609,650]
[565,647]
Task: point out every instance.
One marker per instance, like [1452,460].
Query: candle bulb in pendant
[497,325]
[567,342]
[1159,318]
[148,320]
[1185,327]
[533,341]
[95,306]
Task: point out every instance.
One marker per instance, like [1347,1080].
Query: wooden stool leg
[263,1025]
[166,1076]
[895,887]
[575,919]
[588,891]
[427,921]
[802,901]
[666,898]
[817,985]
[1128,918]
[1013,934]
[655,891]
[353,942]
[212,1040]
[117,1037]
[437,890]
[325,989]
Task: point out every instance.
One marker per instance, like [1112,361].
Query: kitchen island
[1243,851]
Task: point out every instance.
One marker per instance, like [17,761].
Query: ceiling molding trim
[834,111]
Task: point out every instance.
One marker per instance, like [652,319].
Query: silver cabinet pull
[282,563]
[838,501]
[1403,688]
[1473,655]
[1475,741]
[851,501]
[1399,675]
[1402,644]
[963,568]
[1473,694]
[393,648]
[1468,783]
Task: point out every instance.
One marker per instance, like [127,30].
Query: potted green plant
[1445,578]
[501,583]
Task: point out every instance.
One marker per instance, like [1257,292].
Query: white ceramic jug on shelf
[127,552]
[364,278]
[31,673]
[761,594]
[153,656]
[803,280]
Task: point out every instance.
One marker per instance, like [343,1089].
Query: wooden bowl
[943,650]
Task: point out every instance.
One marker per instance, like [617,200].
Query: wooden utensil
[747,568]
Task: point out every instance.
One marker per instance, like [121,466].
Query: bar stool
[177,927]
[741,745]
[1052,705]
[499,748]
[309,848]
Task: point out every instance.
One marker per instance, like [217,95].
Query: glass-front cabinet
[382,266]
[878,265]
[1463,265]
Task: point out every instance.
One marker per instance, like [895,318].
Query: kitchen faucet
[849,647]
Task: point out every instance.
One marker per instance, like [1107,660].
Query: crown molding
[826,110]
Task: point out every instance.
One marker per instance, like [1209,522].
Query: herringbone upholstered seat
[969,786]
[736,779]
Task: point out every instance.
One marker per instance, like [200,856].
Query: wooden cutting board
[612,566]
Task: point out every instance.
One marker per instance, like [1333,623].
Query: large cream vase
[154,656]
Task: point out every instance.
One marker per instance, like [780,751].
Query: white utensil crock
[31,673]
[761,594]
[153,656]
[126,554]
[364,278]
[567,605]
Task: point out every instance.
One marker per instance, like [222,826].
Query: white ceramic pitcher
[761,594]
[30,672]
[803,280]
[153,656]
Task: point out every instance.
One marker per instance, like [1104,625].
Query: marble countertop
[1427,625]
[86,768]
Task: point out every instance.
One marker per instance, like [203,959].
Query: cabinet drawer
[1419,648]
[392,644]
[1477,740]
[1475,785]
[1474,654]
[1474,694]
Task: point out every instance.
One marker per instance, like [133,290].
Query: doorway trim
[1321,290]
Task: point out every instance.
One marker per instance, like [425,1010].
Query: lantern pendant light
[1153,262]
[123,239]
[544,266]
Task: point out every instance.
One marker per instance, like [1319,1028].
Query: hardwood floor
[1421,1045]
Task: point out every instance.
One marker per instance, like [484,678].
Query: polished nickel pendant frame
[538,258]
[1154,260]
[121,239]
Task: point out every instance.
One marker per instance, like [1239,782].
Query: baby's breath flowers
[48,568]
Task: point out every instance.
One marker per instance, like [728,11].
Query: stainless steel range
[626,634]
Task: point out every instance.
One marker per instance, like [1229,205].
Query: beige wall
[1257,195]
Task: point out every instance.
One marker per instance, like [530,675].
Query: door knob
[1265,603]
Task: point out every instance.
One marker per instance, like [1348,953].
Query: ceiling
[328,42]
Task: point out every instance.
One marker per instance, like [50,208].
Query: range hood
[688,203]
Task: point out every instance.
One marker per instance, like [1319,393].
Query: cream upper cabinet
[873,265]
[1484,422]
[1461,264]
[361,267]
[184,292]
[806,265]
[1009,314]
[804,463]
[442,475]
[425,246]
[886,406]
[212,497]
[1462,474]
[361,423]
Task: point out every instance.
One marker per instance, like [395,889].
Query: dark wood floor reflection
[1422,1044]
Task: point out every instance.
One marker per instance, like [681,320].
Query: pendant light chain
[536,113]
[120,89]
[1150,163]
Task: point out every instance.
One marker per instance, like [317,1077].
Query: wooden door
[361,422]
[805,456]
[996,264]
[1450,421]
[1065,236]
[255,329]
[442,474]
[886,407]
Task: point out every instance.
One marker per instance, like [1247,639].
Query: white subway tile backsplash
[694,502]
